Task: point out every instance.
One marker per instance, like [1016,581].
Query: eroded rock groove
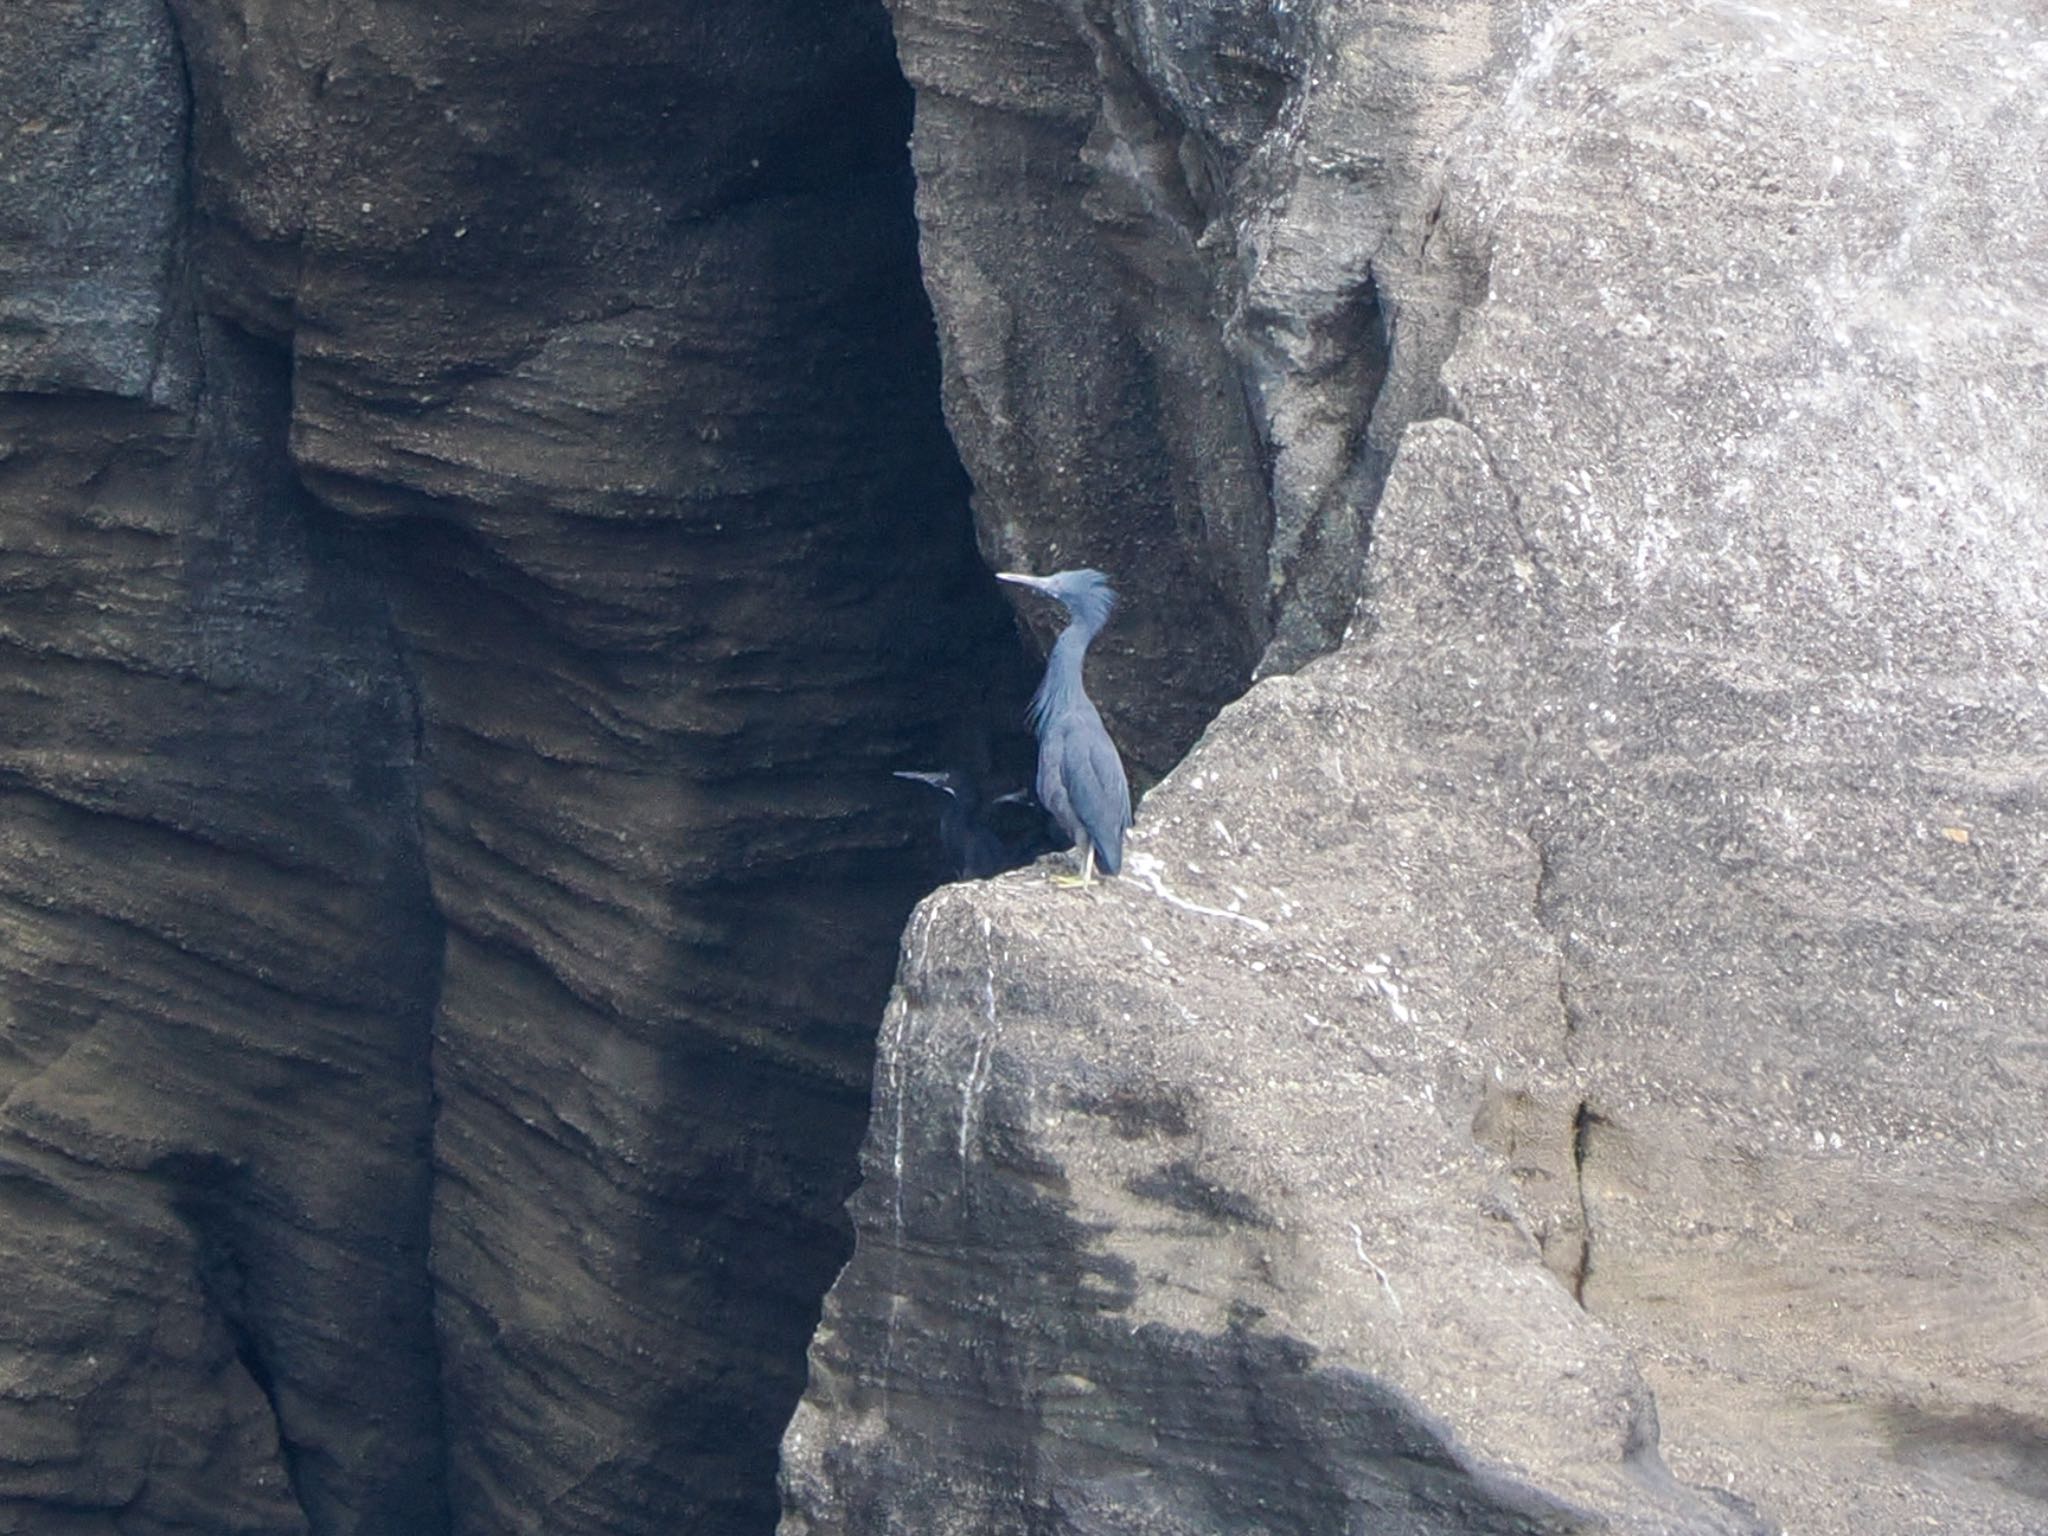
[554,735]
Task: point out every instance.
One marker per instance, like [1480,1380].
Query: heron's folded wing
[1100,795]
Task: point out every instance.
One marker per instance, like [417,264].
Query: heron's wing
[1100,794]
[1052,785]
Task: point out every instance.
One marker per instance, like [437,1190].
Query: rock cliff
[1571,1058]
[484,505]
[478,530]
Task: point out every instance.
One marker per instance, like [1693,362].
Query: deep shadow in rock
[683,572]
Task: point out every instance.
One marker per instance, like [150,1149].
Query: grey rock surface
[1171,248]
[91,189]
[1572,1058]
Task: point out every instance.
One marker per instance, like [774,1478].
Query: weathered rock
[91,150]
[216,942]
[1171,248]
[1174,1218]
[601,329]
[1793,832]
[220,962]
[611,318]
[1618,968]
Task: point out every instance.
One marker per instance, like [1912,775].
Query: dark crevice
[1361,341]
[1585,1120]
[209,1193]
[1430,223]
[773,932]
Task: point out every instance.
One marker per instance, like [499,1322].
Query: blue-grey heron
[1081,780]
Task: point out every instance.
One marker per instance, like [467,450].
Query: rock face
[477,527]
[478,531]
[1171,248]
[1571,1059]
[220,952]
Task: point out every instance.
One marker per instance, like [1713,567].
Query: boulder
[1569,1059]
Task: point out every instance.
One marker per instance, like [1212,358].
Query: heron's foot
[1071,882]
[1087,874]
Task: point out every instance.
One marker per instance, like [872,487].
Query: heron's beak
[936,780]
[1035,582]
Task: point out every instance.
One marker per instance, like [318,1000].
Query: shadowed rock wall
[1187,299]
[478,532]
[220,952]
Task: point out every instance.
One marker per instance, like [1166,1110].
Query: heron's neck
[1072,645]
[1062,680]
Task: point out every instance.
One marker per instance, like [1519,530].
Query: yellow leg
[1087,875]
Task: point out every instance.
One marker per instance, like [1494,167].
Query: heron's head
[1086,594]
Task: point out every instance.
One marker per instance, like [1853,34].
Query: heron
[1081,780]
[974,847]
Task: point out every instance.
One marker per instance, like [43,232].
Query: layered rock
[218,949]
[1569,1060]
[611,318]
[485,479]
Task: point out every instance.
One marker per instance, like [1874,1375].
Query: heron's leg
[1087,875]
